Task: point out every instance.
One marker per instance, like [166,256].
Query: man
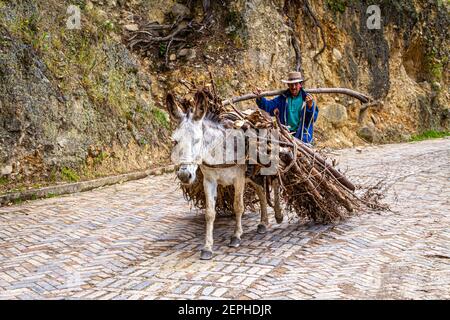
[297,109]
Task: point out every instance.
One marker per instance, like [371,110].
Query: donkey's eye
[174,143]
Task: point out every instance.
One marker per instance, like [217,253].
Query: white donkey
[197,134]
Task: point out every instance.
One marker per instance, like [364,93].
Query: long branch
[360,96]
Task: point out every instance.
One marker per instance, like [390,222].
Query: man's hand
[257,91]
[309,100]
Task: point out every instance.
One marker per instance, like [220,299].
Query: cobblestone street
[140,240]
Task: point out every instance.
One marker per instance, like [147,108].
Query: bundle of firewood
[309,184]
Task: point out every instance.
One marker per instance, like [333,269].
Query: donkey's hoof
[279,219]
[206,255]
[261,229]
[235,242]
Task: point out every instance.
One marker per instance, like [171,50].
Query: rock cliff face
[79,103]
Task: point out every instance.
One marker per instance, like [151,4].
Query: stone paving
[140,240]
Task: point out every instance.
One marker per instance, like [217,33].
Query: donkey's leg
[210,188]
[277,204]
[238,207]
[264,223]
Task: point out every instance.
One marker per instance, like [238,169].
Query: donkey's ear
[201,105]
[173,108]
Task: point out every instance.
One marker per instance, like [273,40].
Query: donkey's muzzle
[184,175]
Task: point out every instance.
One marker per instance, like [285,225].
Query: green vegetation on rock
[435,66]
[337,5]
[69,175]
[3,181]
[161,117]
[430,134]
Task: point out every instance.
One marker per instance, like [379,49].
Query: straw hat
[294,77]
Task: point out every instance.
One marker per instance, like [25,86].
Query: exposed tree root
[167,37]
[318,25]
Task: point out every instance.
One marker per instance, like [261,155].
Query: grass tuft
[430,134]
[70,175]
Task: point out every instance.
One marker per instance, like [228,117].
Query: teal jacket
[281,103]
